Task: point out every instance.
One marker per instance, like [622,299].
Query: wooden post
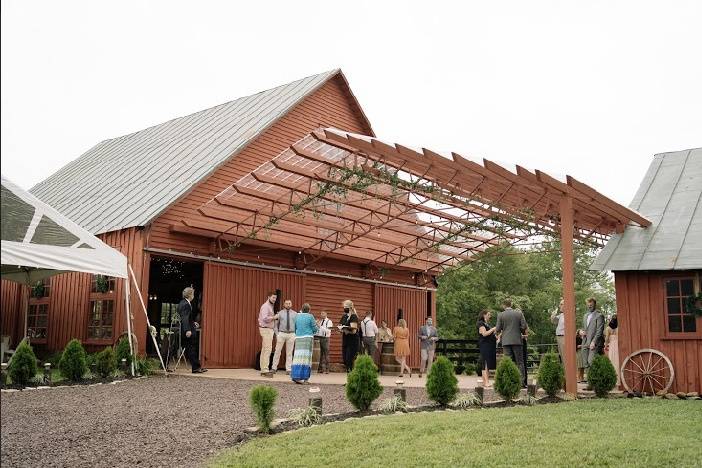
[571,371]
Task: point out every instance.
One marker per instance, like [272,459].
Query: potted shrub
[38,289]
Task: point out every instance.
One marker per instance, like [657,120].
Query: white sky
[588,88]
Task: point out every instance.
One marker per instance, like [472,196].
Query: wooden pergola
[349,196]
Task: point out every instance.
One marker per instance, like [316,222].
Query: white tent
[38,242]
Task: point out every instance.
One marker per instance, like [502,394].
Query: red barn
[657,269]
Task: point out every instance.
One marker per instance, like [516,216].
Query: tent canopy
[38,242]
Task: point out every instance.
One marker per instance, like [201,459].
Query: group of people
[511,330]
[296,332]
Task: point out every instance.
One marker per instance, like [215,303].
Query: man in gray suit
[512,325]
[593,324]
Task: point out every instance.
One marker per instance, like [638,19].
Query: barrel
[388,364]
[315,355]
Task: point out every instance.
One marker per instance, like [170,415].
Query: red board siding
[231,301]
[328,293]
[641,315]
[12,311]
[413,302]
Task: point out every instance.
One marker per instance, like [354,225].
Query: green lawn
[646,433]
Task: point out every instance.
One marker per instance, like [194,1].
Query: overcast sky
[588,88]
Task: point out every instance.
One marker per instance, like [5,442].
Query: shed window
[37,321]
[677,290]
[101,316]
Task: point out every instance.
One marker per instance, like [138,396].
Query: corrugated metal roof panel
[670,196]
[129,180]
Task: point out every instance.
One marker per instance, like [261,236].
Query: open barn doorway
[168,276]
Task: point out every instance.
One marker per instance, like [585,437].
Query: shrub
[105,364]
[362,384]
[146,366]
[442,384]
[601,376]
[507,379]
[392,405]
[305,417]
[471,369]
[122,352]
[262,399]
[73,363]
[466,400]
[23,367]
[551,376]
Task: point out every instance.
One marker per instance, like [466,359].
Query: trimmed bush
[362,384]
[601,375]
[551,376]
[507,379]
[146,366]
[23,367]
[471,369]
[122,352]
[262,399]
[73,363]
[442,384]
[105,364]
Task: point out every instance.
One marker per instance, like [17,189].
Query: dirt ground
[158,421]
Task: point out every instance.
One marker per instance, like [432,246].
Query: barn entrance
[168,277]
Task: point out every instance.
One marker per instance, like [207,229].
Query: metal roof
[128,181]
[669,196]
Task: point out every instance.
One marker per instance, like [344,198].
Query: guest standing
[593,323]
[189,327]
[428,336]
[266,322]
[323,335]
[305,329]
[487,343]
[369,330]
[558,319]
[580,355]
[402,348]
[284,336]
[512,325]
[611,344]
[349,328]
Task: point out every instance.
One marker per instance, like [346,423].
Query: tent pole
[129,323]
[146,314]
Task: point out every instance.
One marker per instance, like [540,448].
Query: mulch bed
[158,421]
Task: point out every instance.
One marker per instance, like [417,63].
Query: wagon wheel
[647,371]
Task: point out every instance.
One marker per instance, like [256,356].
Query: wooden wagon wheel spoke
[659,360]
[635,371]
[653,377]
[637,365]
[650,358]
[647,370]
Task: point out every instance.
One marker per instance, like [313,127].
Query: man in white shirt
[558,319]
[323,335]
[285,336]
[369,330]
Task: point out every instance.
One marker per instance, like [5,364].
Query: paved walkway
[334,378]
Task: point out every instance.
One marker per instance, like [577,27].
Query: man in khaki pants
[285,336]
[558,320]
[266,321]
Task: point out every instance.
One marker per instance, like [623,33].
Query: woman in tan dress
[402,349]
[612,345]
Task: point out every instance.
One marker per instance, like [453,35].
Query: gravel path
[174,421]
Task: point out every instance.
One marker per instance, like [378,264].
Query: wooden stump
[388,364]
[315,355]
[400,392]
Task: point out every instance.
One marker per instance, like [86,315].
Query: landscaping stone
[671,396]
[681,395]
[692,395]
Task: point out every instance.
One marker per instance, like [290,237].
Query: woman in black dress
[350,339]
[487,342]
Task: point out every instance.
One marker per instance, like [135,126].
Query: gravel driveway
[159,421]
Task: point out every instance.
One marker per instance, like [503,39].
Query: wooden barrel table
[315,355]
[388,364]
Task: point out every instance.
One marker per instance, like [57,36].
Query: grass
[582,433]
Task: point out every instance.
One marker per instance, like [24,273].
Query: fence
[464,352]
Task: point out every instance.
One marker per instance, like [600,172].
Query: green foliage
[362,384]
[601,375]
[262,398]
[471,369]
[122,352]
[551,376]
[146,366]
[393,405]
[532,279]
[466,400]
[507,379]
[23,367]
[442,384]
[73,363]
[105,364]
[305,417]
